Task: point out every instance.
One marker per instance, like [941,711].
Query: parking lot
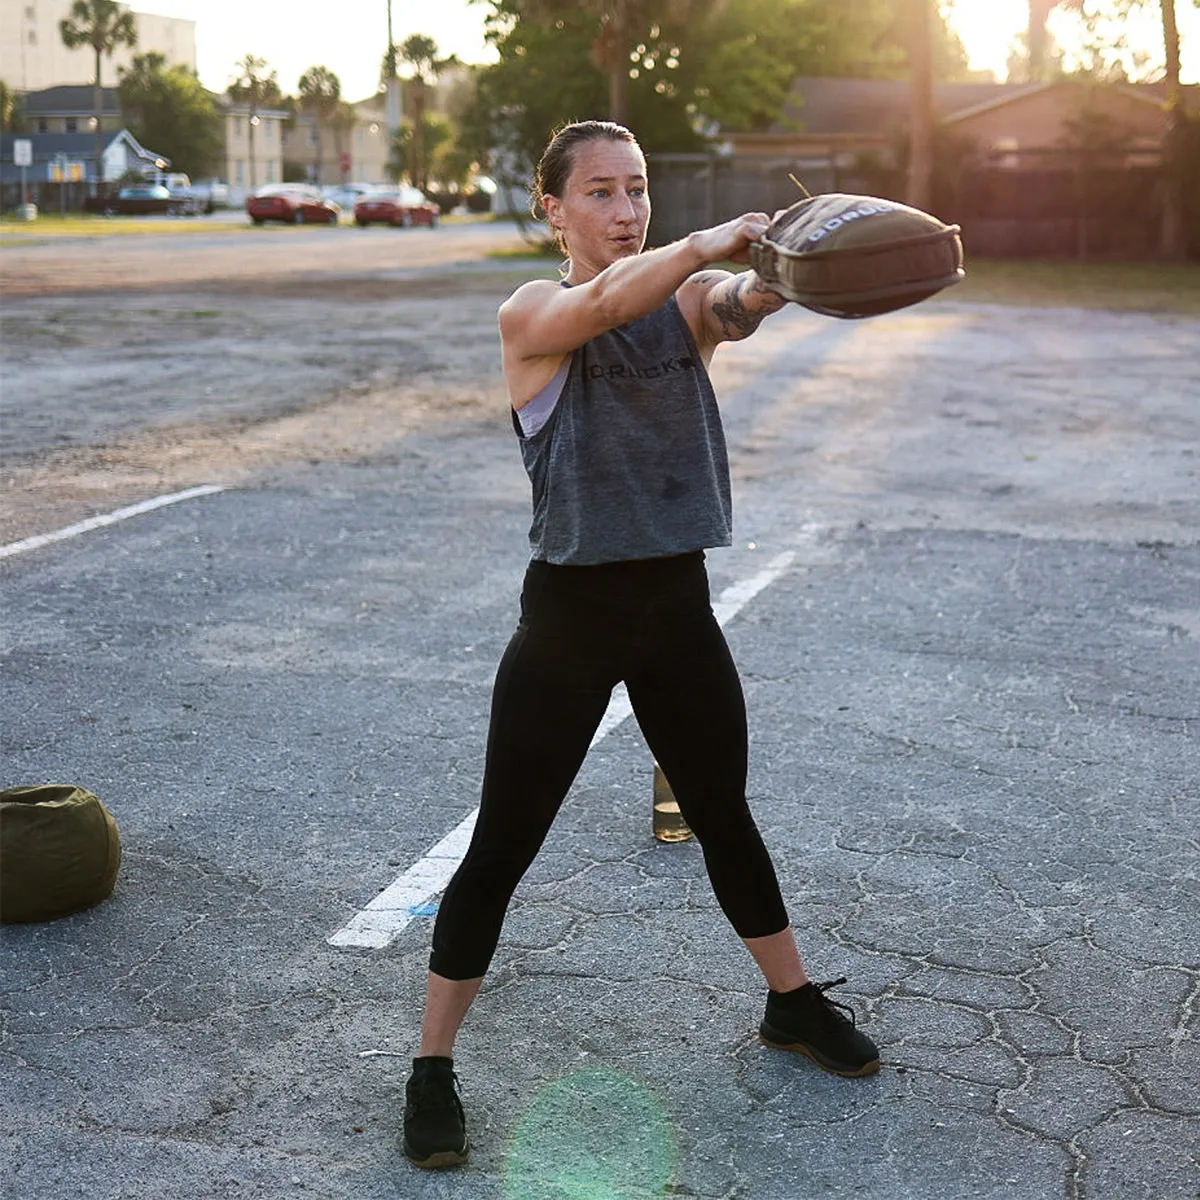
[973,682]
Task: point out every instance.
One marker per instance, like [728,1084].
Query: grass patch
[540,250]
[52,225]
[1133,287]
[1172,288]
[467,218]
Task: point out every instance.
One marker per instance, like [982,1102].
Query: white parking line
[377,925]
[120,514]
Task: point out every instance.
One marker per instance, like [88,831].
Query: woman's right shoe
[807,1021]
[435,1130]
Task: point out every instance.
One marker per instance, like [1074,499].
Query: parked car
[205,195]
[347,195]
[293,204]
[397,206]
[139,199]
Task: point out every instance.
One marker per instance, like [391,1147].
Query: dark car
[293,204]
[396,206]
[139,199]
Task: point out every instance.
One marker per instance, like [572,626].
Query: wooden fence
[1066,208]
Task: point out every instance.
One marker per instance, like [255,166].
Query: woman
[622,440]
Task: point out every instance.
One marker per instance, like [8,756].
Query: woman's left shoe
[807,1021]
[435,1130]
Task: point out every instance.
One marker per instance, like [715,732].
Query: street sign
[22,152]
[63,170]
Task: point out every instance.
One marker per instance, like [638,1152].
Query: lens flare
[592,1135]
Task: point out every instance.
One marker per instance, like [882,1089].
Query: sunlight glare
[988,29]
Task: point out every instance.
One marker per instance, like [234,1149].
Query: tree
[919,192]
[421,55]
[733,70]
[167,109]
[1174,233]
[102,25]
[437,136]
[1037,39]
[12,110]
[1106,56]
[616,27]
[253,86]
[320,97]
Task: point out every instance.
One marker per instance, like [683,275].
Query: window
[43,126]
[70,125]
[271,172]
[239,174]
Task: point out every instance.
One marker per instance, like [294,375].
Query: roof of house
[237,108]
[47,145]
[825,104]
[75,145]
[68,99]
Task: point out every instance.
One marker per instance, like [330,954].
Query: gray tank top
[632,461]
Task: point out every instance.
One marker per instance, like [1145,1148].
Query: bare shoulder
[528,297]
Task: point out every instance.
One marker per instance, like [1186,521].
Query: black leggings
[582,631]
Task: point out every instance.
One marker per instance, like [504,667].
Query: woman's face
[604,211]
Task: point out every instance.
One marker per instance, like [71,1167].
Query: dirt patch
[67,486]
[112,395]
[299,255]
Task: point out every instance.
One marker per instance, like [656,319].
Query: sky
[350,36]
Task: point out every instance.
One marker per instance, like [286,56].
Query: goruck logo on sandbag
[867,208]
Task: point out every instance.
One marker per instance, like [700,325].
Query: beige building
[253,146]
[328,155]
[32,54]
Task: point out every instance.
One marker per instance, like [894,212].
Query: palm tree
[342,122]
[320,96]
[255,89]
[421,54]
[102,25]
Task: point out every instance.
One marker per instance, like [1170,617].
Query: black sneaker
[807,1021]
[435,1131]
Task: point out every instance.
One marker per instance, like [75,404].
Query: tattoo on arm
[739,319]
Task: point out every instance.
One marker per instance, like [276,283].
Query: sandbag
[60,851]
[857,256]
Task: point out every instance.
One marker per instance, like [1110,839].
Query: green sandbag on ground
[60,851]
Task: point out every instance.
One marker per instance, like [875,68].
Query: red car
[292,204]
[398,206]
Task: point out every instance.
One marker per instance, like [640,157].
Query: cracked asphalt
[974,701]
